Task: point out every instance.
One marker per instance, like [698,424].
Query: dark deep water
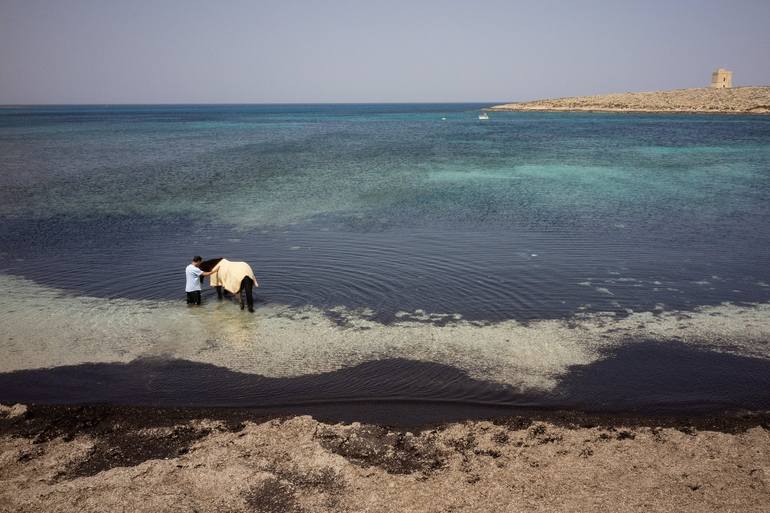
[391,209]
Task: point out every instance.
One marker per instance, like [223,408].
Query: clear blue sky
[138,51]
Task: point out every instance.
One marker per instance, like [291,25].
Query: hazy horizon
[86,52]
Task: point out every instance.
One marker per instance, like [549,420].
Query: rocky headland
[737,100]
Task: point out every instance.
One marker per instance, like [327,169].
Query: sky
[283,51]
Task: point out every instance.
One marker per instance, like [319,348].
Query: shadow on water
[644,378]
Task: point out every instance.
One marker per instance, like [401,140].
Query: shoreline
[735,101]
[72,419]
[104,458]
[626,111]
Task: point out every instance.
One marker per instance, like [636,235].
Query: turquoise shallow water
[528,215]
[386,214]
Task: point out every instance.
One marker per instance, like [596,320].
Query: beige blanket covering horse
[230,275]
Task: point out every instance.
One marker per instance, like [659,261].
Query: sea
[414,261]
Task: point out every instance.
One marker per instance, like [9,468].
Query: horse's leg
[249,293]
[241,291]
[219,291]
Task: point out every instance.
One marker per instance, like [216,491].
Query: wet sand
[106,458]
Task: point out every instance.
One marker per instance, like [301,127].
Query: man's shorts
[194,297]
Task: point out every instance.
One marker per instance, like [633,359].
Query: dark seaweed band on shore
[637,380]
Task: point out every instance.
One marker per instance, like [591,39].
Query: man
[193,287]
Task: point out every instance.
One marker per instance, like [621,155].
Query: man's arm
[211,272]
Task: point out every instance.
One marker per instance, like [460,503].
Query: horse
[237,278]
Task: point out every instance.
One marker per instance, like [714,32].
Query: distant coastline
[738,100]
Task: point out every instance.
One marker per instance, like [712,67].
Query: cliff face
[738,100]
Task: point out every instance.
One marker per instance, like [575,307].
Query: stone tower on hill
[722,79]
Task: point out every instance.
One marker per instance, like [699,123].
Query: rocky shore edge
[704,100]
[121,458]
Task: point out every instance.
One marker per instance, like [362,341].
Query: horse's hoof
[251,310]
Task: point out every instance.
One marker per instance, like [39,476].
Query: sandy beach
[102,458]
[738,100]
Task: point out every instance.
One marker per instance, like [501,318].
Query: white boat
[483,115]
